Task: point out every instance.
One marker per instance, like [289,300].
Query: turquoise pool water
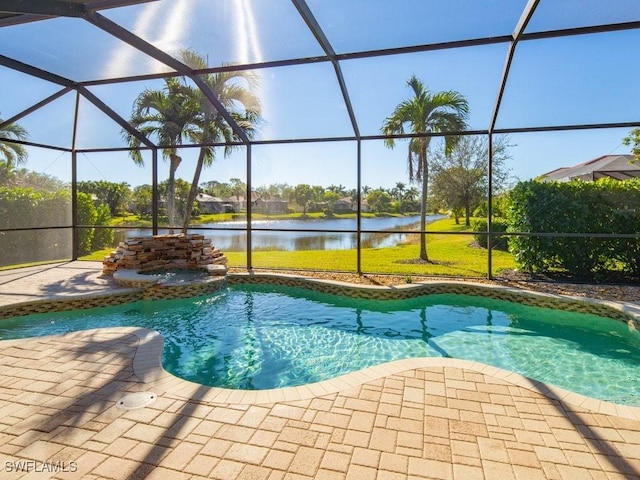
[259,337]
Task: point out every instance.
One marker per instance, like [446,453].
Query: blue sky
[574,80]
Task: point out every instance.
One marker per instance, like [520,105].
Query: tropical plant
[166,115]
[338,189]
[211,127]
[424,114]
[398,191]
[11,154]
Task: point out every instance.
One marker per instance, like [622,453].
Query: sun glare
[165,30]
[246,33]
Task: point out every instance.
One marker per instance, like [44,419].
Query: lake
[269,234]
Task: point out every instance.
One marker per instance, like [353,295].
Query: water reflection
[267,236]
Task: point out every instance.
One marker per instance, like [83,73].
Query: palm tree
[399,191]
[167,115]
[11,154]
[411,194]
[425,113]
[211,127]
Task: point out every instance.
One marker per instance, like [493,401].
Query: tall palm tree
[167,115]
[11,154]
[399,190]
[210,126]
[425,113]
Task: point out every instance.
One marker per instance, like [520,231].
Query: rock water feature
[167,266]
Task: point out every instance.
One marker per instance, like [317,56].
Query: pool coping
[147,362]
[616,310]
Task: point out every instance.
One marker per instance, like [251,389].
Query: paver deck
[430,418]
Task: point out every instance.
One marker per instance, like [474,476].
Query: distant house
[345,205]
[271,205]
[240,203]
[349,205]
[618,167]
[209,204]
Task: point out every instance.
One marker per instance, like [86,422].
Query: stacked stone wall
[163,252]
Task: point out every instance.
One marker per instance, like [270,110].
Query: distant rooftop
[618,167]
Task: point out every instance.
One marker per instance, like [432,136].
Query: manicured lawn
[452,255]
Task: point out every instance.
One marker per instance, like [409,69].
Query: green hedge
[602,207]
[498,225]
[22,207]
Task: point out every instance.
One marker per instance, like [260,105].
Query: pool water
[261,336]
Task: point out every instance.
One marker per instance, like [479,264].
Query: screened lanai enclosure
[410,137]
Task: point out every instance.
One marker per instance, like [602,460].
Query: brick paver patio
[431,418]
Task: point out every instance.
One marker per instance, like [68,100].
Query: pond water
[269,234]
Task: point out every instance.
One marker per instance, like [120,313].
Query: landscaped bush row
[22,207]
[602,207]
[498,225]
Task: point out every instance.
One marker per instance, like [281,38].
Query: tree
[114,195]
[141,199]
[409,202]
[210,126]
[379,200]
[38,181]
[398,191]
[303,194]
[331,198]
[633,141]
[217,189]
[425,113]
[460,178]
[337,189]
[167,115]
[102,237]
[181,188]
[11,154]
[238,188]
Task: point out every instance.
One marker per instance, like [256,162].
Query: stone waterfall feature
[166,252]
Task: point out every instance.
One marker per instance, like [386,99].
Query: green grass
[450,254]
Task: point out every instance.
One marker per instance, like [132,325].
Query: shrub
[602,207]
[102,237]
[498,225]
[28,208]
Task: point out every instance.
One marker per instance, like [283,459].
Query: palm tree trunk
[467,214]
[193,191]
[174,161]
[423,203]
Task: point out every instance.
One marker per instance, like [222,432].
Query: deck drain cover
[136,400]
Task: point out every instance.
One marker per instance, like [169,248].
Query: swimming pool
[266,336]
